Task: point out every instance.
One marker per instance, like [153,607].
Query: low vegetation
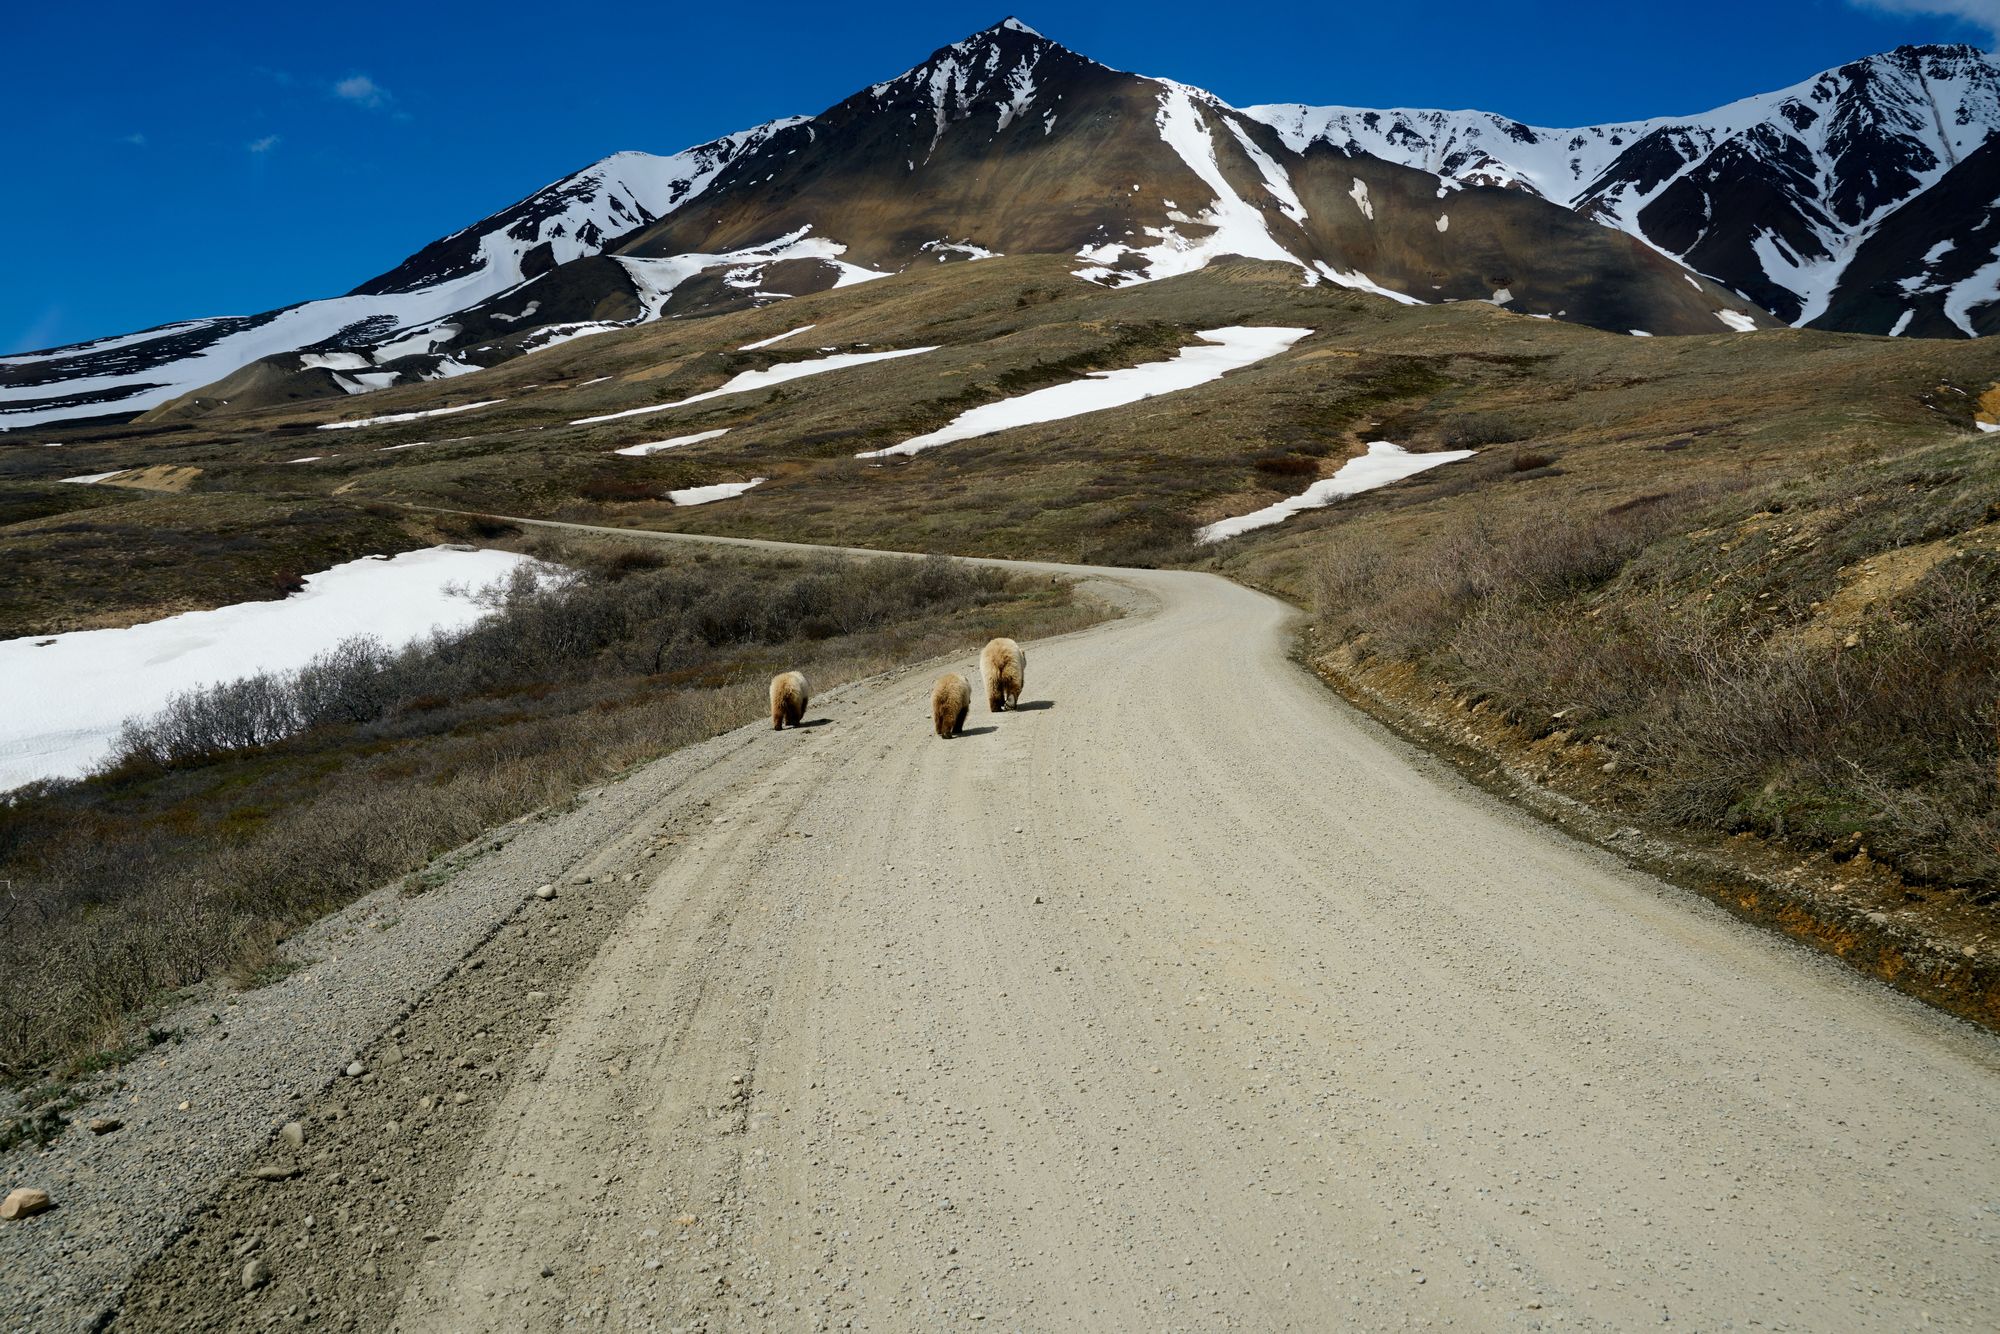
[243,812]
[1815,661]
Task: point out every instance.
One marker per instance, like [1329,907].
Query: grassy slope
[1128,484]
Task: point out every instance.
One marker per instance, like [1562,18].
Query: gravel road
[1183,998]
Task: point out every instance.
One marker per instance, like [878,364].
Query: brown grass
[1678,631]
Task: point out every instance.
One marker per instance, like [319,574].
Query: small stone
[187,1106]
[687,1220]
[356,1069]
[460,1099]
[293,1134]
[545,891]
[25,1202]
[538,995]
[274,1172]
[104,1125]
[255,1275]
[392,1128]
[1609,767]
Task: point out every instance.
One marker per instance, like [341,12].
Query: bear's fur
[788,699]
[951,700]
[1004,668]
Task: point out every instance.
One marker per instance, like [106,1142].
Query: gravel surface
[1183,998]
[247,1062]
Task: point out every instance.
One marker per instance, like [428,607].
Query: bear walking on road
[951,700]
[788,699]
[1004,668]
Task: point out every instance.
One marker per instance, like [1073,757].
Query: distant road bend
[1187,999]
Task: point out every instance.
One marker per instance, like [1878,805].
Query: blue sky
[161,166]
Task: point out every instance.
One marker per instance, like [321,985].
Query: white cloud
[1980,13]
[264,145]
[136,140]
[363,92]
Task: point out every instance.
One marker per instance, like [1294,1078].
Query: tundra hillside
[244,811]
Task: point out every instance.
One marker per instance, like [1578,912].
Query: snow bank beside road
[67,694]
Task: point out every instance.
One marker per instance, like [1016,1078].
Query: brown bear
[1004,668]
[951,700]
[788,699]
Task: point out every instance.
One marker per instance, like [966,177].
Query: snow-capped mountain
[1863,198]
[1803,200]
[402,311]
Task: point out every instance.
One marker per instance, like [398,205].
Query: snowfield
[68,694]
[763,379]
[1382,464]
[1226,350]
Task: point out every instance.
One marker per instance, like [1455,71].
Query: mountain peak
[998,66]
[1952,50]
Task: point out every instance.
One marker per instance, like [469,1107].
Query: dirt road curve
[1183,999]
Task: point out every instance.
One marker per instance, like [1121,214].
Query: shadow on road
[1034,705]
[976,731]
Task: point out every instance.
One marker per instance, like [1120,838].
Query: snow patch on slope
[703,495]
[394,417]
[1382,464]
[1235,226]
[775,338]
[640,451]
[1226,350]
[766,378]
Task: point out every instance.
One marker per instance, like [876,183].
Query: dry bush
[1733,717]
[1472,430]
